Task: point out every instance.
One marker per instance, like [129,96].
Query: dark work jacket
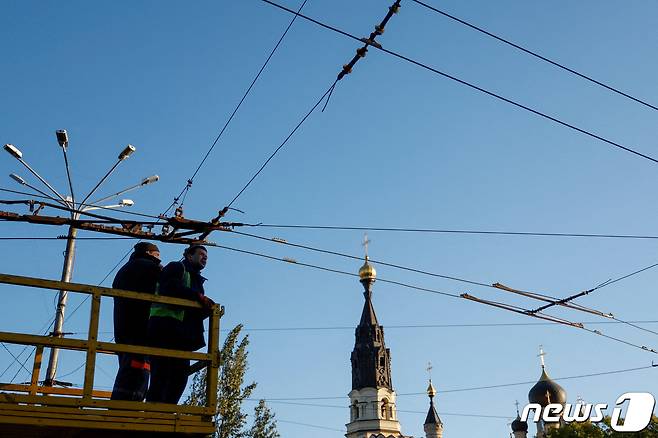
[166,332]
[131,317]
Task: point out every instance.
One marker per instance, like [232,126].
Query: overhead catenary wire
[535,54]
[476,388]
[475,87]
[80,211]
[354,257]
[456,414]
[190,180]
[456,231]
[347,69]
[283,143]
[509,307]
[547,298]
[323,268]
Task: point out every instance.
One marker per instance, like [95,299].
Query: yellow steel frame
[44,402]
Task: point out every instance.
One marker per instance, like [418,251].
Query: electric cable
[448,231]
[235,110]
[353,257]
[322,268]
[473,86]
[299,124]
[553,300]
[423,289]
[475,388]
[535,54]
[455,414]
[132,213]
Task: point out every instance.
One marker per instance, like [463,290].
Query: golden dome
[430,390]
[367,271]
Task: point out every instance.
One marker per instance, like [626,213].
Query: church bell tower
[372,398]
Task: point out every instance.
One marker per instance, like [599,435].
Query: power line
[72,210]
[456,414]
[552,300]
[463,296]
[477,388]
[423,326]
[347,69]
[299,124]
[353,257]
[235,110]
[315,426]
[535,54]
[322,268]
[449,231]
[473,86]
[65,237]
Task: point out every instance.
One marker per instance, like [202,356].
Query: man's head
[147,248]
[196,256]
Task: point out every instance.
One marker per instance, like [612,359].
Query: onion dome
[518,425]
[432,417]
[546,391]
[367,271]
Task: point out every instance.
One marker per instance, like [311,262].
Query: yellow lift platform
[35,411]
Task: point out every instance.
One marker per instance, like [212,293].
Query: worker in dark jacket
[176,327]
[131,317]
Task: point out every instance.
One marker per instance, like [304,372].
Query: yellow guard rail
[26,406]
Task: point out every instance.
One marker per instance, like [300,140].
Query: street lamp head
[126,152]
[149,180]
[127,203]
[14,151]
[18,179]
[62,138]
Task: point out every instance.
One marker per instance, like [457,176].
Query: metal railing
[87,397]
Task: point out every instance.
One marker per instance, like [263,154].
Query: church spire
[373,412]
[371,360]
[433,426]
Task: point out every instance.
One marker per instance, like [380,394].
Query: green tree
[577,430]
[602,430]
[231,391]
[264,425]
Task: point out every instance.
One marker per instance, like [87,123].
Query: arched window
[385,410]
[355,410]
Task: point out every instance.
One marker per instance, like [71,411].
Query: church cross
[365,243]
[541,355]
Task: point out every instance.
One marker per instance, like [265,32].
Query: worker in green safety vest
[176,327]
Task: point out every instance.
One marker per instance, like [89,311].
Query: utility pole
[67,274]
[75,209]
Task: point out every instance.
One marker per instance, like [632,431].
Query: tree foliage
[232,391]
[264,425]
[602,430]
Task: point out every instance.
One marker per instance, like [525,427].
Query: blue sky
[397,146]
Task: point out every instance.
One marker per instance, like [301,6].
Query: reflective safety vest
[168,310]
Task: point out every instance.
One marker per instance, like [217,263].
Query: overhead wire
[475,388]
[552,300]
[456,414]
[323,268]
[473,86]
[449,231]
[534,54]
[354,257]
[237,107]
[347,69]
[509,307]
[283,143]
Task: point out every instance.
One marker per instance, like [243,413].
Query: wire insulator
[362,52]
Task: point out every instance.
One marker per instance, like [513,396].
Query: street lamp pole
[67,274]
[69,253]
